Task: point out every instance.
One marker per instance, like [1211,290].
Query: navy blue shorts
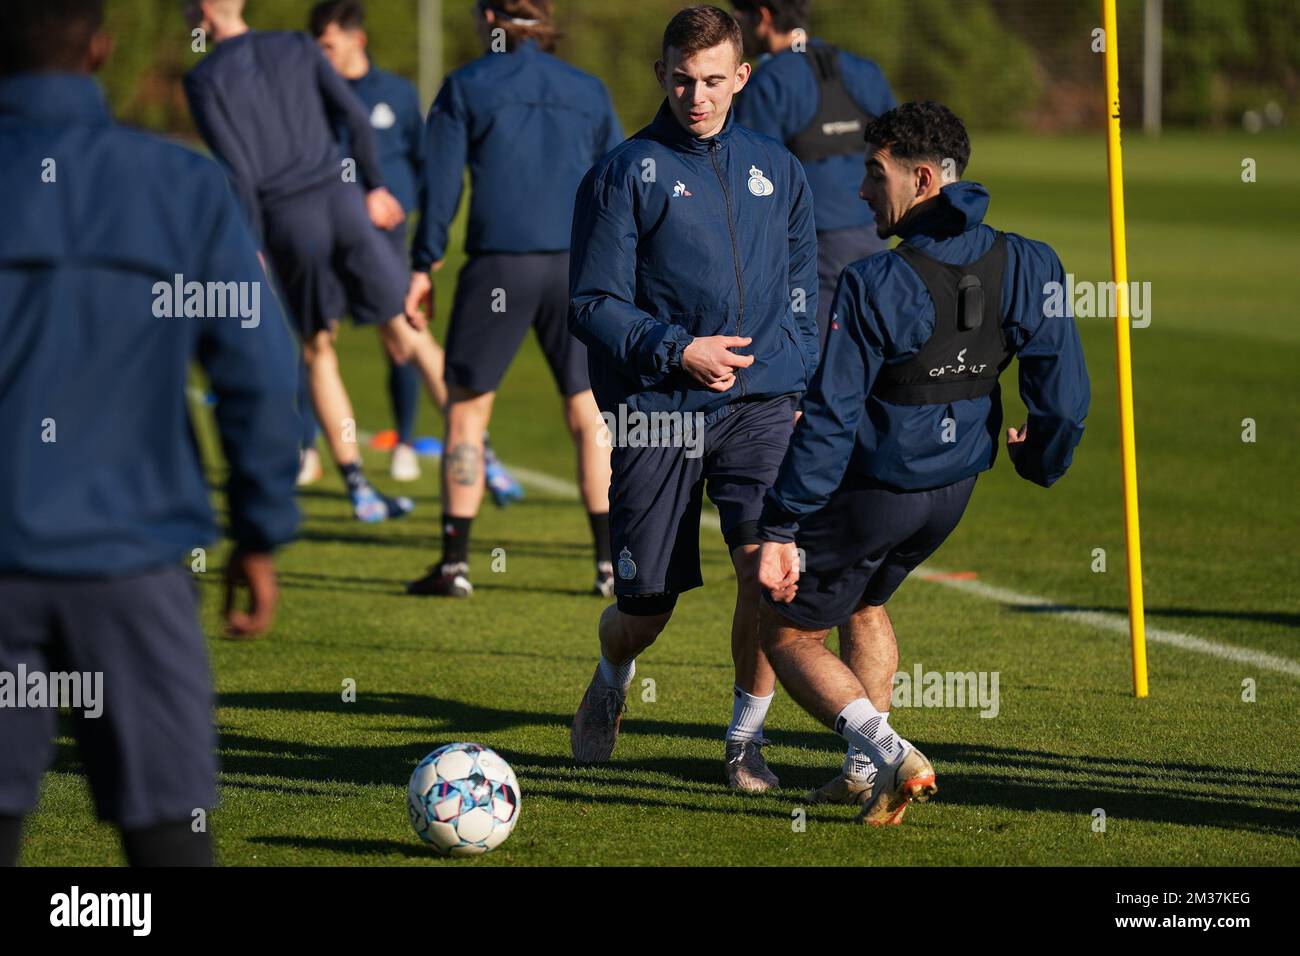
[330,260]
[655,496]
[499,297]
[836,248]
[860,547]
[150,754]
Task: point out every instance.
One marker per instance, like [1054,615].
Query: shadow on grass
[1011,778]
[972,775]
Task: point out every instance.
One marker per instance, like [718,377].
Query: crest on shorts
[759,184]
[626,566]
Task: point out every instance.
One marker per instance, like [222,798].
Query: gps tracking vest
[837,128]
[967,351]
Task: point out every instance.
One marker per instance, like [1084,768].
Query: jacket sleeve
[346,110]
[1053,376]
[414,140]
[446,151]
[823,440]
[252,367]
[803,265]
[213,124]
[602,282]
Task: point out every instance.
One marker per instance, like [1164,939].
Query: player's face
[341,47]
[700,87]
[889,188]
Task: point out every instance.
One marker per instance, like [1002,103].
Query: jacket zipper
[714,147]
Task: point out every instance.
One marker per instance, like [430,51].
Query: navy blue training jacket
[781,99]
[883,314]
[95,215]
[397,123]
[676,237]
[265,103]
[529,126]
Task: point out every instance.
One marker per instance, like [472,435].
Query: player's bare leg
[330,398]
[755,682]
[594,731]
[468,414]
[334,413]
[582,416]
[416,346]
[869,649]
[825,687]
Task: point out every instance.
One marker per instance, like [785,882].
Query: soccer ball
[463,799]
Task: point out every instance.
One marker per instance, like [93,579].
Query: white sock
[617,675]
[868,729]
[747,714]
[858,765]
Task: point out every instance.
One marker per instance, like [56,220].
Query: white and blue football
[463,799]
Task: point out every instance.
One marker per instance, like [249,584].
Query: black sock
[353,476]
[600,535]
[455,539]
[11,835]
[168,844]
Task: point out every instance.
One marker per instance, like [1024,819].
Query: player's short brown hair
[701,28]
[347,14]
[47,35]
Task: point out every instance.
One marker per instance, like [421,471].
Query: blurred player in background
[393,106]
[103,493]
[903,414]
[817,100]
[528,126]
[693,239]
[264,103]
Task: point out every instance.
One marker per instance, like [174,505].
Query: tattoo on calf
[463,464]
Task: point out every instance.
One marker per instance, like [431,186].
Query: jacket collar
[54,98]
[958,207]
[667,130]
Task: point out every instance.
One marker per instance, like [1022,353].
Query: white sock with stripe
[858,765]
[617,676]
[747,714]
[866,728]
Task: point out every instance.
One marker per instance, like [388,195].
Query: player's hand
[710,361]
[256,572]
[778,570]
[418,293]
[1016,438]
[385,211]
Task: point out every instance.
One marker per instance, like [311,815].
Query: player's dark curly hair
[787,15]
[922,131]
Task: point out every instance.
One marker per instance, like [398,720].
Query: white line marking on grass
[1097,620]
[1118,624]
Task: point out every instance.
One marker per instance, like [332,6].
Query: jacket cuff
[776,524]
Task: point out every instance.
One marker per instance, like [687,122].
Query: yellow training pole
[1123,355]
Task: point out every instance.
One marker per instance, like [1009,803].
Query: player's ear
[97,54]
[924,178]
[742,76]
[661,74]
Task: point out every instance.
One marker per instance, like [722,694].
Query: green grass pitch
[1192,775]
